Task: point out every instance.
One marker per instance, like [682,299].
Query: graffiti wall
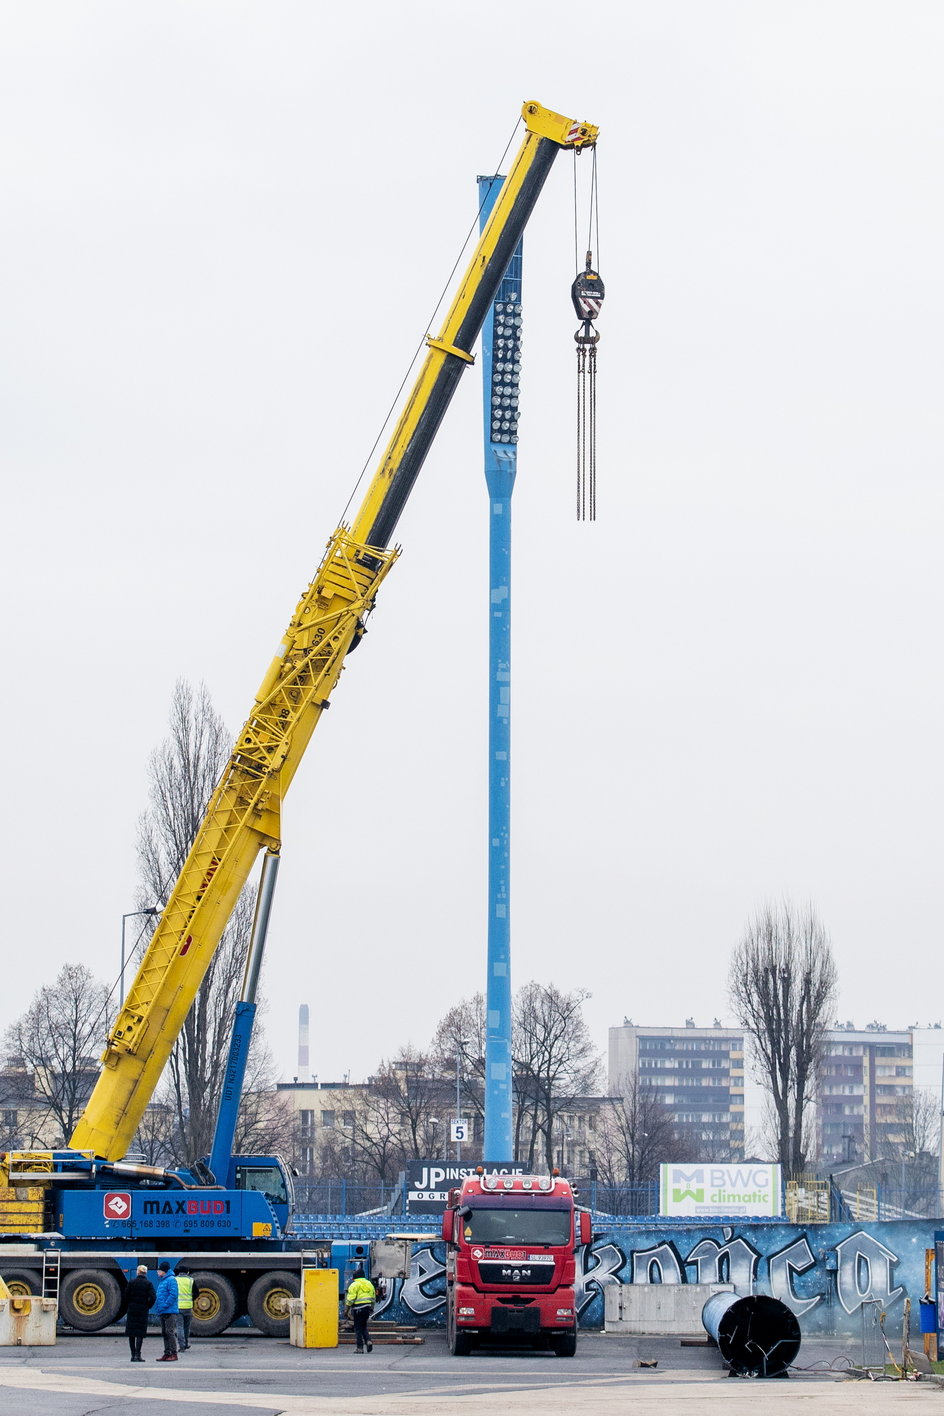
[823,1272]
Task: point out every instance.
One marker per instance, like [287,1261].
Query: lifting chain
[587,294]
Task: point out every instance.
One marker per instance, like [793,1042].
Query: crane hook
[587,294]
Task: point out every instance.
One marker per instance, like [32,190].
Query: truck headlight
[466,1312]
[565,1312]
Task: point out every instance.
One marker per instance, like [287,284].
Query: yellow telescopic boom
[243,816]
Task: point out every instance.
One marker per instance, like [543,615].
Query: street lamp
[460,1043]
[132,914]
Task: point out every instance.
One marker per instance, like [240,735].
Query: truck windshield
[517,1226]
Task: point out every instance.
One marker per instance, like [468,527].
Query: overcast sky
[225,228]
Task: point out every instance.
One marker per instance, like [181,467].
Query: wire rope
[395,403]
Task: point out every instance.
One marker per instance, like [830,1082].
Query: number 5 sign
[458,1130]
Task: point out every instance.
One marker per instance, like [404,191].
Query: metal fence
[820,1202]
[342,1197]
[317,1197]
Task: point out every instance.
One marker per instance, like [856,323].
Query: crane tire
[89,1299]
[214,1304]
[22,1282]
[268,1300]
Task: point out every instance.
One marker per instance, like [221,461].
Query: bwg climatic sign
[429,1181]
[719,1189]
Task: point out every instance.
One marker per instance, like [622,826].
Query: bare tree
[266,1122]
[915,1128]
[555,1062]
[461,1035]
[372,1147]
[638,1135]
[782,984]
[391,1122]
[59,1040]
[183,772]
[156,1140]
[411,1088]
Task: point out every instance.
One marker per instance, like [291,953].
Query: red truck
[510,1261]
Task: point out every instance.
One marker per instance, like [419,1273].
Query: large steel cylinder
[757,1336]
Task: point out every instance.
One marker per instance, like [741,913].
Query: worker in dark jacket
[139,1297]
[165,1308]
[359,1303]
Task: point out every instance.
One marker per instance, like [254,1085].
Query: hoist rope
[581,427]
[395,403]
[587,357]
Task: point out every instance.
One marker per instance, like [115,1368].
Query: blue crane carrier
[86,1208]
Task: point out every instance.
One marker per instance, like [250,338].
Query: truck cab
[510,1261]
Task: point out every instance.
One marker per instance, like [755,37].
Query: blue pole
[501,365]
[232,1093]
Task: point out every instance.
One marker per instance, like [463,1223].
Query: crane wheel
[214,1304]
[89,1299]
[21,1282]
[268,1300]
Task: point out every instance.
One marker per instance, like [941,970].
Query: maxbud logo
[186,1207]
[117,1204]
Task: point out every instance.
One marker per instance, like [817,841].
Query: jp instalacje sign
[429,1181]
[720,1189]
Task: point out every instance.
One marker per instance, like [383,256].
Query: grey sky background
[225,228]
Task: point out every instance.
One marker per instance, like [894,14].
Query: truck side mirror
[448,1220]
[586,1229]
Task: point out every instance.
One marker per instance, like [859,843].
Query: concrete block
[658,1309]
[28,1322]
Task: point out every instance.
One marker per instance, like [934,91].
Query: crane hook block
[587,294]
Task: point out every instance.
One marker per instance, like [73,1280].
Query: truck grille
[523,1273]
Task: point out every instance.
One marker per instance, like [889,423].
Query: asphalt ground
[245,1373]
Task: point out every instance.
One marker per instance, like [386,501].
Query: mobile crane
[96,1211]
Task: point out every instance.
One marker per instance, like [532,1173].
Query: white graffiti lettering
[734,1262]
[797,1257]
[865,1271]
[424,1269]
[604,1272]
[661,1260]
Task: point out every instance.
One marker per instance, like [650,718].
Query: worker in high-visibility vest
[184,1305]
[359,1302]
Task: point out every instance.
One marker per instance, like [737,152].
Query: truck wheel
[21,1282]
[565,1343]
[214,1304]
[268,1300]
[89,1299]
[460,1343]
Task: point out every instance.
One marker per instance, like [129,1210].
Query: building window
[327,1120]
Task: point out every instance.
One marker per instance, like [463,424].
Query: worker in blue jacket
[165,1308]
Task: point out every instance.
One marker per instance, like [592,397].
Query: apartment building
[698,1074]
[865,1093]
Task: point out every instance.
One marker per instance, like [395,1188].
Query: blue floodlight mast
[501,368]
